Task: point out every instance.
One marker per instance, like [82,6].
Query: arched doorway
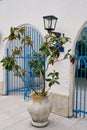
[80,105]
[15,85]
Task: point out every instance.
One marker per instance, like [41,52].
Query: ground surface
[14,116]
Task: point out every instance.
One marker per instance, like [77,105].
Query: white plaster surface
[14,116]
[1,86]
[72,17]
[60,104]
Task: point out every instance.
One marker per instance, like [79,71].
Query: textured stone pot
[39,110]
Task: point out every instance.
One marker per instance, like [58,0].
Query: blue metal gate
[81,75]
[15,85]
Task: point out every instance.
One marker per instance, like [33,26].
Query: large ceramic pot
[39,110]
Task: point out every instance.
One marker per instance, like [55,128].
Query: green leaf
[11,30]
[66,56]
[52,48]
[48,79]
[57,82]
[28,40]
[50,74]
[22,30]
[51,83]
[51,60]
[8,63]
[42,48]
[11,37]
[69,50]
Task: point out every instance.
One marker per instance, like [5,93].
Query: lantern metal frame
[50,22]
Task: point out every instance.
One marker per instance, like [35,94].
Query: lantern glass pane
[50,22]
[53,24]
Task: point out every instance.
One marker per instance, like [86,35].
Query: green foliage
[36,65]
[19,71]
[15,33]
[70,56]
[8,63]
[48,50]
[64,39]
[18,33]
[54,76]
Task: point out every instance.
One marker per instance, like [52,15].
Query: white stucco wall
[71,16]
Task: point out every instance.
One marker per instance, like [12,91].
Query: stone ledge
[60,104]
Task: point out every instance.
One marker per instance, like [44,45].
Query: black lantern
[50,23]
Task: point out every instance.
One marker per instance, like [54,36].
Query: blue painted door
[14,85]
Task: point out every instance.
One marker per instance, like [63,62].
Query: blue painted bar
[80,111]
[76,86]
[81,83]
[7,77]
[81,89]
[85,88]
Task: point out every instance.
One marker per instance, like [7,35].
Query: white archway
[72,73]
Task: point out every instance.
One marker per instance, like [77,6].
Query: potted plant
[39,106]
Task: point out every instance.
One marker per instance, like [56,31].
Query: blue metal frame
[15,84]
[7,78]
[81,83]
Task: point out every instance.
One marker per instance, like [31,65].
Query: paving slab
[14,116]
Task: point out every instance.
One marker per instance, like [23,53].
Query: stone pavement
[14,116]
